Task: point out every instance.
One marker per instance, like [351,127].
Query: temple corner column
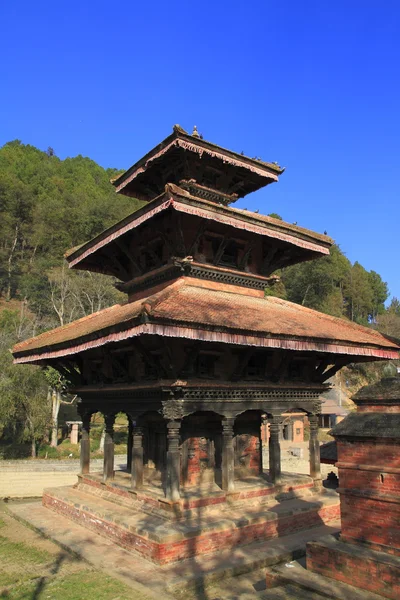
[137,458]
[129,445]
[274,448]
[85,444]
[228,457]
[173,461]
[108,469]
[315,461]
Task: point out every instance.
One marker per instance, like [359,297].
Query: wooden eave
[258,172]
[178,199]
[194,310]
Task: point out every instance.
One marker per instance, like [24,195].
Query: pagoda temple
[199,357]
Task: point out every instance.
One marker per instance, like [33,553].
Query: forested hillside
[48,205]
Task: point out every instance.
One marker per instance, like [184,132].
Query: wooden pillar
[173,462]
[85,444]
[228,458]
[275,449]
[315,465]
[129,446]
[137,458]
[108,470]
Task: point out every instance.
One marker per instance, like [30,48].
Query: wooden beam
[190,360]
[243,361]
[324,364]
[246,255]
[332,371]
[180,246]
[200,232]
[169,363]
[265,269]
[159,368]
[122,272]
[124,248]
[281,260]
[220,251]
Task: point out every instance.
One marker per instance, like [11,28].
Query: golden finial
[195,133]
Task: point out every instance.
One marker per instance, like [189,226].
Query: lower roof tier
[201,310]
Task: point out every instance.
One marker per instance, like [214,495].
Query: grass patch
[11,552]
[89,584]
[85,584]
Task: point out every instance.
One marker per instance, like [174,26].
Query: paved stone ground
[227,575]
[292,464]
[28,478]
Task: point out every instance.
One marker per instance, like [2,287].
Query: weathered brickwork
[360,571]
[378,452]
[165,551]
[368,445]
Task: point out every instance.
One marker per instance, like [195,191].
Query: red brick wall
[359,571]
[372,521]
[247,455]
[370,493]
[369,453]
[200,464]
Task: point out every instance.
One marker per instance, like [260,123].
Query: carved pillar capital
[109,420]
[172,409]
[85,415]
[138,433]
[275,423]
[227,427]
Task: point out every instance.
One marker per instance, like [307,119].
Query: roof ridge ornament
[195,133]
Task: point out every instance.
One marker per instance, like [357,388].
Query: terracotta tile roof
[328,453]
[330,407]
[181,200]
[194,310]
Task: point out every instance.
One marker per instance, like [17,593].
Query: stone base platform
[205,521]
[356,565]
[195,500]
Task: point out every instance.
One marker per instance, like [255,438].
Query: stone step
[167,541]
[200,501]
[228,574]
[296,575]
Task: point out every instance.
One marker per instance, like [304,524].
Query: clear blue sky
[313,85]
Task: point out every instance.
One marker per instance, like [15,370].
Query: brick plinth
[115,491]
[357,566]
[368,446]
[163,541]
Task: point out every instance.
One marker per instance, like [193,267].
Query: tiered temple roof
[196,268]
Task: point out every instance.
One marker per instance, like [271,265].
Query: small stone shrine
[200,359]
[367,555]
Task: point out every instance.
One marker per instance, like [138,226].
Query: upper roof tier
[207,170]
[177,225]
